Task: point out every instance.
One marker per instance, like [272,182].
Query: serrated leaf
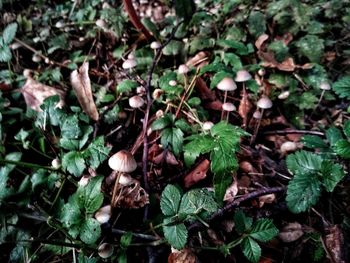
[342,87]
[163,122]
[263,230]
[5,54]
[303,162]
[89,197]
[312,47]
[242,222]
[70,127]
[342,148]
[74,163]
[9,33]
[126,86]
[347,129]
[251,249]
[176,235]
[233,60]
[257,23]
[97,152]
[303,192]
[332,173]
[333,135]
[90,231]
[312,142]
[199,144]
[70,214]
[170,200]
[173,137]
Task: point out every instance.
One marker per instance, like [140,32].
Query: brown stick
[135,20]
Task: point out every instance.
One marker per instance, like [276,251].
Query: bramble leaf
[90,231]
[176,235]
[342,148]
[242,222]
[342,87]
[263,230]
[74,163]
[251,249]
[332,173]
[9,33]
[170,200]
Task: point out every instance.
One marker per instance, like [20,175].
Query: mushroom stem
[321,97]
[225,98]
[257,128]
[115,188]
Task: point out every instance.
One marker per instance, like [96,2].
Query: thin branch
[149,104]
[291,131]
[143,236]
[236,203]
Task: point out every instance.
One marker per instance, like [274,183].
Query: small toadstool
[226,84]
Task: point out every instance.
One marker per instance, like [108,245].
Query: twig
[148,108]
[143,236]
[290,131]
[229,207]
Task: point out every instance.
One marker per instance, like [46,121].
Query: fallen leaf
[35,93]
[260,41]
[231,192]
[244,107]
[266,199]
[197,174]
[131,195]
[81,84]
[204,92]
[214,105]
[291,232]
[334,242]
[199,60]
[182,256]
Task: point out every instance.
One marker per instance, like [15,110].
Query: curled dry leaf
[35,93]
[199,60]
[131,195]
[334,243]
[197,174]
[244,107]
[182,256]
[231,192]
[266,199]
[166,156]
[291,232]
[260,41]
[81,84]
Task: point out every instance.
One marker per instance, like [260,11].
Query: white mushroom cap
[264,103]
[207,125]
[227,84]
[261,72]
[36,58]
[125,179]
[103,214]
[101,23]
[131,55]
[157,93]
[243,75]
[27,73]
[122,161]
[228,106]
[105,250]
[136,102]
[257,114]
[140,90]
[159,114]
[183,69]
[15,45]
[105,5]
[129,63]
[59,24]
[288,147]
[284,95]
[172,83]
[325,85]
[56,163]
[155,45]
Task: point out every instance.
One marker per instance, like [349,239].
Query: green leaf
[311,47]
[5,54]
[96,152]
[279,49]
[200,43]
[90,197]
[242,222]
[50,113]
[199,144]
[342,148]
[251,249]
[126,86]
[170,200]
[313,142]
[333,135]
[303,192]
[257,23]
[70,214]
[233,60]
[347,128]
[263,230]
[163,122]
[6,189]
[74,163]
[173,137]
[332,173]
[173,48]
[70,128]
[221,181]
[304,162]
[176,235]
[90,231]
[9,33]
[22,136]
[125,240]
[342,87]
[185,9]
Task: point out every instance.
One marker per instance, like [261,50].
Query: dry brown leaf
[131,195]
[260,41]
[81,84]
[291,232]
[35,93]
[266,199]
[197,174]
[231,192]
[244,107]
[204,92]
[199,60]
[214,105]
[182,256]
[334,242]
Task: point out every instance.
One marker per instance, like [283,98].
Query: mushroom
[121,162]
[243,76]
[263,103]
[103,214]
[182,70]
[228,106]
[136,102]
[105,250]
[101,23]
[226,84]
[324,86]
[129,64]
[155,45]
[207,125]
[172,83]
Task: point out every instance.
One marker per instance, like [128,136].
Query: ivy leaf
[263,230]
[96,152]
[173,137]
[74,163]
[311,47]
[342,87]
[332,173]
[9,33]
[242,222]
[303,192]
[251,249]
[90,231]
[176,235]
[342,148]
[50,113]
[170,200]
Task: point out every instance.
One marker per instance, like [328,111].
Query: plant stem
[24,164]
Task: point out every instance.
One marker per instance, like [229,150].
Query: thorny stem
[148,108]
